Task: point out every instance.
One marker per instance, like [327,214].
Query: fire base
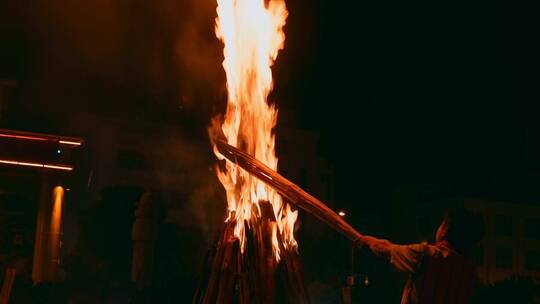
[254,276]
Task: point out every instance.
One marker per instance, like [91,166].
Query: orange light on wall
[37,165]
[56,214]
[55,231]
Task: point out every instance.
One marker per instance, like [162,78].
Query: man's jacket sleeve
[405,258]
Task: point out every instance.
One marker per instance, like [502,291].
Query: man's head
[462,228]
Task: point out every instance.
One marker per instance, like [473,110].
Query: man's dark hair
[465,229]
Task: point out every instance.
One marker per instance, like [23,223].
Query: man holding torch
[439,272]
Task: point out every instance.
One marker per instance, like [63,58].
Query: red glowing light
[22,137]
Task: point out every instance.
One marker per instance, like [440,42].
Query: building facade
[511,245]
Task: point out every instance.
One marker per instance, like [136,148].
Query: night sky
[424,92]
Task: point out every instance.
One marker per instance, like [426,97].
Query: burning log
[255,260]
[288,190]
[254,276]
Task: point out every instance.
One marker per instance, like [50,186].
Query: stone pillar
[143,236]
[48,235]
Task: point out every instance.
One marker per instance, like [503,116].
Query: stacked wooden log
[290,191]
[254,275]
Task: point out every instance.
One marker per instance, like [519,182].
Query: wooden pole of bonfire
[255,276]
[291,192]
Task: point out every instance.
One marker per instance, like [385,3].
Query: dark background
[426,92]
[439,92]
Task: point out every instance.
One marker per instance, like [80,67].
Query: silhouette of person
[440,272]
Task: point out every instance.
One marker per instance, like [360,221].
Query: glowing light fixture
[29,164]
[58,167]
[37,165]
[52,138]
[21,137]
[67,142]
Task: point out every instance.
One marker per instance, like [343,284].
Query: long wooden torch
[288,190]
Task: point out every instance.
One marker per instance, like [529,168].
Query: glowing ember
[252,33]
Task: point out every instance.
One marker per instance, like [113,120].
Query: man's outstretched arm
[379,247]
[406,258]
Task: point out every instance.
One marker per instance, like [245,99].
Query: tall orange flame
[252,33]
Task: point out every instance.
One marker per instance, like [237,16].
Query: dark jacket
[438,273]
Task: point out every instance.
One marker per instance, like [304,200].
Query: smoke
[109,55]
[126,59]
[185,166]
